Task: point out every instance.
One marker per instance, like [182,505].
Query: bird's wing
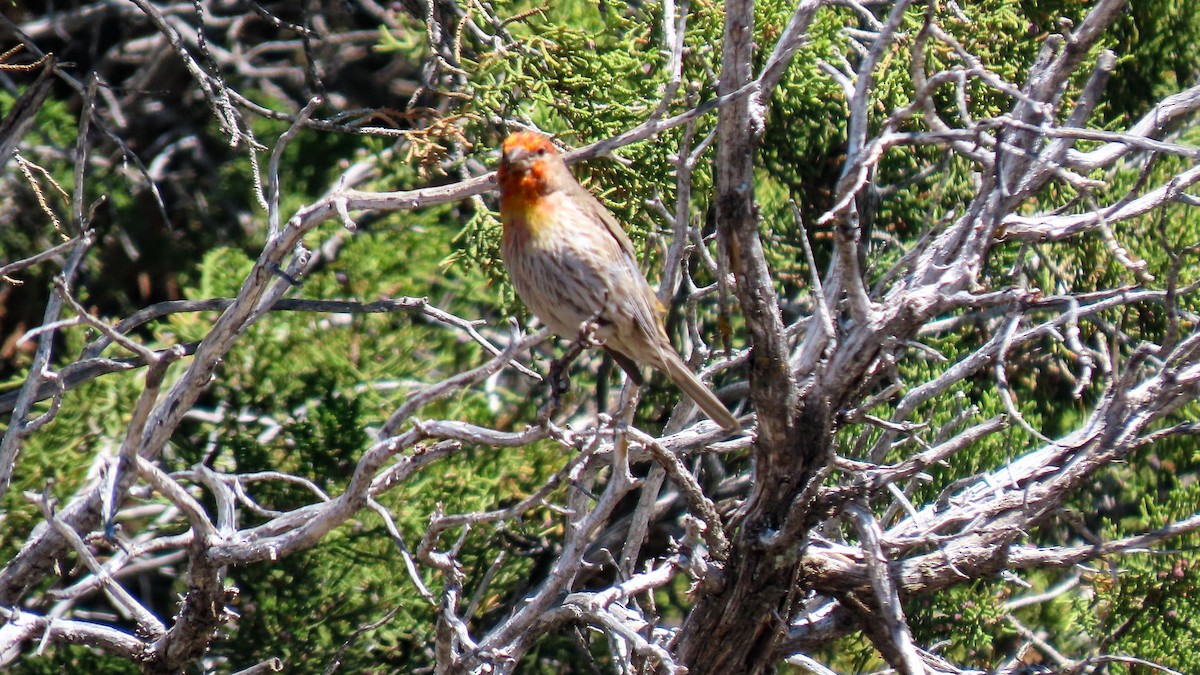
[648,311]
[592,207]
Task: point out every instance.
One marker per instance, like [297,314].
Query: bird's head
[524,150]
[530,166]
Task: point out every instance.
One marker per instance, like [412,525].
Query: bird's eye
[539,152]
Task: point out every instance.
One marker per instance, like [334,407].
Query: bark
[733,629]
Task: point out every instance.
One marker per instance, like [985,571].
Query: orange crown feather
[528,142]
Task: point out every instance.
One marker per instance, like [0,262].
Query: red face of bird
[530,166]
[525,150]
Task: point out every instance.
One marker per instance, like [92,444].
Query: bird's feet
[560,379]
[560,384]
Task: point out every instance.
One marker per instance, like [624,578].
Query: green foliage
[970,617]
[58,457]
[1157,44]
[1151,607]
[75,659]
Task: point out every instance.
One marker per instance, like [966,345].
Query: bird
[571,262]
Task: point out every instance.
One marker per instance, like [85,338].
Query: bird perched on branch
[571,262]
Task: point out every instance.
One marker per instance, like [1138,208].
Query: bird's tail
[683,378]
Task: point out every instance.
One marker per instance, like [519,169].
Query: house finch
[570,261]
